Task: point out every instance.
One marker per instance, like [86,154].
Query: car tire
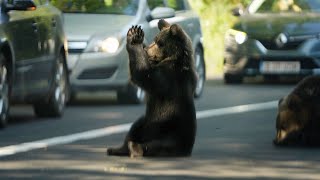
[200,70]
[233,79]
[54,107]
[5,87]
[131,95]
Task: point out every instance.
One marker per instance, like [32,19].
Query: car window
[276,6]
[125,7]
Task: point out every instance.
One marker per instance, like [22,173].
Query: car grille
[271,45]
[98,73]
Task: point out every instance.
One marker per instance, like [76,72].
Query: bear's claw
[135,149]
[135,35]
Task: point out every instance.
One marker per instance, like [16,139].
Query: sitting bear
[165,71]
[298,119]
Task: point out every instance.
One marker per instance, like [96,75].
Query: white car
[96,32]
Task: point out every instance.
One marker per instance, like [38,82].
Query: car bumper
[247,59]
[98,71]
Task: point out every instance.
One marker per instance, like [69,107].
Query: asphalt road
[236,126]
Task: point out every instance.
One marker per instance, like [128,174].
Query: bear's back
[309,88]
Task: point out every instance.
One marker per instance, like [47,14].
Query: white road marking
[28,146]
[237,109]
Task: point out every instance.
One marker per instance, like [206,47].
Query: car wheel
[59,95]
[233,78]
[4,92]
[131,95]
[200,70]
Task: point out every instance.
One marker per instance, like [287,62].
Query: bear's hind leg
[121,151]
[124,149]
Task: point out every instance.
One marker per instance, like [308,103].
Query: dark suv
[274,38]
[32,58]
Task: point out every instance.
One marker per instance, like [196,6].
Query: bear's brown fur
[165,70]
[298,119]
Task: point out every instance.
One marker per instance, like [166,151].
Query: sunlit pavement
[228,145]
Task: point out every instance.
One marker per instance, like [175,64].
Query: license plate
[280,67]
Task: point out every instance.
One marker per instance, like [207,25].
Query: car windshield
[124,7]
[276,6]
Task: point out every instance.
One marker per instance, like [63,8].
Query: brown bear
[165,70]
[298,119]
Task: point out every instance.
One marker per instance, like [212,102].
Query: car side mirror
[238,11]
[161,13]
[20,5]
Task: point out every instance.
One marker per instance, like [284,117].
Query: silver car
[96,32]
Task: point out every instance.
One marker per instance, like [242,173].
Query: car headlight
[110,45]
[239,36]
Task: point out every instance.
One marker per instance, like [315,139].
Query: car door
[22,31]
[43,66]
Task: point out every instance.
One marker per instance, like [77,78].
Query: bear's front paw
[135,35]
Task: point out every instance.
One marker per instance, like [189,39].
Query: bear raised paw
[165,71]
[135,35]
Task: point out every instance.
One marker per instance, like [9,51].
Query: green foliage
[127,7]
[216,19]
[78,5]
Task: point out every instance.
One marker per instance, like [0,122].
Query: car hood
[82,27]
[270,25]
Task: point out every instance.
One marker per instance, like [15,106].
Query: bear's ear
[163,24]
[175,29]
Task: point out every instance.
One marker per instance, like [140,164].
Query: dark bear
[298,119]
[165,70]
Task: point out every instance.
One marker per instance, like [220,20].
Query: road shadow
[94,99]
[21,114]
[88,161]
[248,81]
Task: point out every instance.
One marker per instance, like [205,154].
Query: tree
[216,19]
